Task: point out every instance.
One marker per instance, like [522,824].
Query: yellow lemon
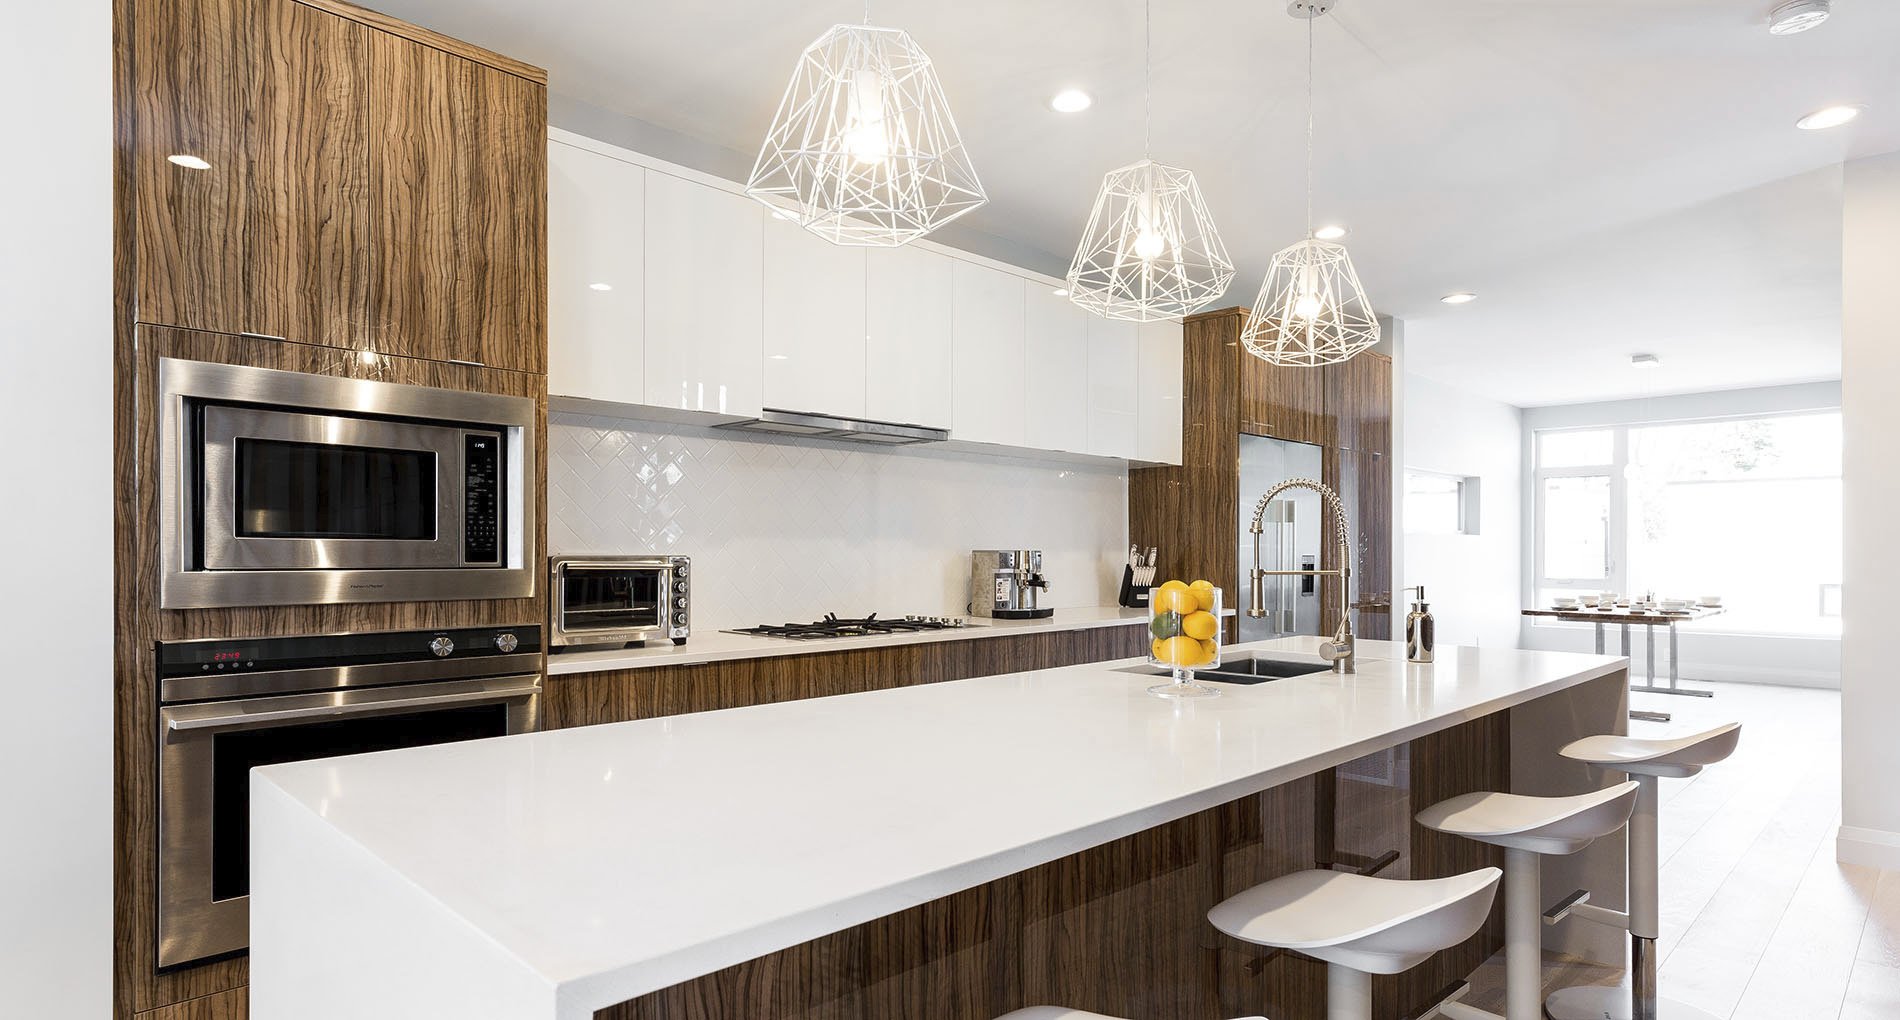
[1203,594]
[1159,649]
[1181,652]
[1174,600]
[1172,586]
[1199,626]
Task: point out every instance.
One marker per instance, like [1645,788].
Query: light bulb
[864,135]
[1307,307]
[1149,244]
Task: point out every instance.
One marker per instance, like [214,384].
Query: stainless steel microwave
[619,600]
[284,488]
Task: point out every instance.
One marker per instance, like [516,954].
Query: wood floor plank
[1804,971]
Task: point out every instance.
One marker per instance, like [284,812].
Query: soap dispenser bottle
[1419,629]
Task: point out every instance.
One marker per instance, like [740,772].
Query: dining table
[1626,616]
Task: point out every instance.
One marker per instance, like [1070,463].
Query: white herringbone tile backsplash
[788,530]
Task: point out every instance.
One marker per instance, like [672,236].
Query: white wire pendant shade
[863,150]
[1150,250]
[1311,309]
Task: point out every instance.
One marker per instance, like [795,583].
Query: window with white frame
[1440,504]
[1748,509]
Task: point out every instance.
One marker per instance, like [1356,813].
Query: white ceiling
[1610,176]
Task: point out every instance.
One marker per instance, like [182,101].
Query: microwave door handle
[251,720]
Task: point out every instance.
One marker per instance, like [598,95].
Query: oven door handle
[527,687]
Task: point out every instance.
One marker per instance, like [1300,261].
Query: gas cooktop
[833,626]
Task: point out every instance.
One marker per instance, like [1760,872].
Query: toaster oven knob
[679,618]
[679,586]
[506,642]
[679,603]
[442,646]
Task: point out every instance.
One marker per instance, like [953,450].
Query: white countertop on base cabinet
[547,875]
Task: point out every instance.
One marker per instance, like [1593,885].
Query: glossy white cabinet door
[703,298]
[987,326]
[1111,387]
[908,309]
[1057,369]
[814,322]
[1158,392]
[595,277]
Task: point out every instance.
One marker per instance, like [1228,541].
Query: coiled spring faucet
[1338,651]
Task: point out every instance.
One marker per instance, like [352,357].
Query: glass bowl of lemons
[1184,635]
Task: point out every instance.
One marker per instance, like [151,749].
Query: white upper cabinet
[1111,387]
[1158,368]
[987,336]
[814,323]
[704,289]
[1056,372]
[907,347]
[595,276]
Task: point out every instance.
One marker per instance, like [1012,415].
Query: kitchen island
[940,851]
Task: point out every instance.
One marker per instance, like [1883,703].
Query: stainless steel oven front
[283,487]
[227,706]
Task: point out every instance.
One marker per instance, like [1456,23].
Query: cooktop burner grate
[834,626]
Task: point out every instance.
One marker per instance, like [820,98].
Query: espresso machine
[1005,583]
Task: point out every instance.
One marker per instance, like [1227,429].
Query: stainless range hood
[824,426]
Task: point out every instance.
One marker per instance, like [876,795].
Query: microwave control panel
[481,488]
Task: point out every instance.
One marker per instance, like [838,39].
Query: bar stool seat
[1542,825]
[1375,925]
[1668,757]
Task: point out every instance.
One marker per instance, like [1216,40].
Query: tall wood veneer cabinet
[1188,511]
[369,185]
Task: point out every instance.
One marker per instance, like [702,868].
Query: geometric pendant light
[863,150]
[1311,309]
[1150,250]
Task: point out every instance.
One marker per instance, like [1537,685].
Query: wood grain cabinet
[458,188]
[346,181]
[271,235]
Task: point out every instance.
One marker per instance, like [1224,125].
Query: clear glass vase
[1184,632]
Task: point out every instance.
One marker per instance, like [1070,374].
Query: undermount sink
[1250,669]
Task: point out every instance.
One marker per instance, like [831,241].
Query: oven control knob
[681,603]
[679,586]
[679,618]
[441,646]
[506,642]
[679,570]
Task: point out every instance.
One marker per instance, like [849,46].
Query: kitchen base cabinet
[229,1005]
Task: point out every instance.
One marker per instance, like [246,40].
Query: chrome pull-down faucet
[1339,651]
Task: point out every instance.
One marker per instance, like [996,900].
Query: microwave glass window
[234,755]
[611,599]
[318,490]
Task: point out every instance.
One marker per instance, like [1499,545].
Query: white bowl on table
[1564,603]
[1709,601]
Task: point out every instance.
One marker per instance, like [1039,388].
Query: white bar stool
[1645,760]
[1527,828]
[1359,925]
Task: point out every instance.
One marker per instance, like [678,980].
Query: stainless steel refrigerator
[1290,540]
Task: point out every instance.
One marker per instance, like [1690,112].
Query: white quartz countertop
[719,646]
[585,867]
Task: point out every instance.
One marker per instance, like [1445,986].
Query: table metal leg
[1674,675]
[1626,640]
[1650,686]
[1599,626]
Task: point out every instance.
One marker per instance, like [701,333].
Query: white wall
[55,403]
[1472,580]
[1870,367]
[788,530]
[1746,658]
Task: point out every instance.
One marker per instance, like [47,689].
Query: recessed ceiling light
[600,286]
[187,161]
[1330,232]
[1070,101]
[780,214]
[1463,297]
[1798,16]
[1060,292]
[1831,117]
[1644,360]
[779,357]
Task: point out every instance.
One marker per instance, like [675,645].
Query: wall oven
[227,706]
[285,488]
[619,600]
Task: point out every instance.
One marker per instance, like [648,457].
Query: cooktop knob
[442,646]
[506,642]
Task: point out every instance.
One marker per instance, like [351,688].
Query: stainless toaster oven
[619,600]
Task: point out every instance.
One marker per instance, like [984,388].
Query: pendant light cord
[867,11]
[1309,126]
[1147,78]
